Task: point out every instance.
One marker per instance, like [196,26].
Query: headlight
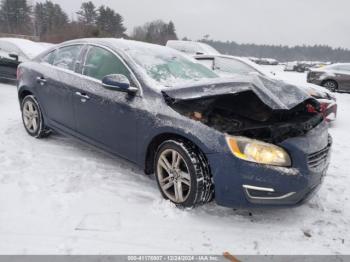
[258,152]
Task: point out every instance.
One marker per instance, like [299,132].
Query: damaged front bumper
[243,184]
[329,109]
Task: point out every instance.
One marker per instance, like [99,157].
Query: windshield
[169,67]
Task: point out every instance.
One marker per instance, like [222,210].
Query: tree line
[283,53]
[50,23]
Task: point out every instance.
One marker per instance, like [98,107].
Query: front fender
[205,138]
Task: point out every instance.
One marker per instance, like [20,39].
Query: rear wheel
[330,85]
[182,174]
[32,118]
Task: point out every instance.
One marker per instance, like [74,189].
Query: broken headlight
[258,151]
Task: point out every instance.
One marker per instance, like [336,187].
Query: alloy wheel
[31,116]
[330,85]
[173,176]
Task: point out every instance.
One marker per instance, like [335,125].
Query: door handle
[41,80]
[83,96]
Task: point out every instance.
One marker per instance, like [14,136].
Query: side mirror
[14,56]
[119,83]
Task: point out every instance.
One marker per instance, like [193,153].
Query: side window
[49,58]
[100,62]
[66,57]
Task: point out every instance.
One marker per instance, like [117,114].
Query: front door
[106,117]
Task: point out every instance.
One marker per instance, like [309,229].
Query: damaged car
[243,141]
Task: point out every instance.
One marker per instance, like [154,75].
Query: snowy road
[63,197]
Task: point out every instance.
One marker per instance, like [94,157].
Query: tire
[180,165]
[331,85]
[33,119]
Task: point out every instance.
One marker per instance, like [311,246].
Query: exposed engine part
[246,115]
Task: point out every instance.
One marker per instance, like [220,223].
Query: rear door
[56,82]
[106,117]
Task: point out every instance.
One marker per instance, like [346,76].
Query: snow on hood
[278,95]
[311,89]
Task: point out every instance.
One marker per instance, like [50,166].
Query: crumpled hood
[276,94]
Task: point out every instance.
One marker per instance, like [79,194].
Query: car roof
[191,47]
[115,43]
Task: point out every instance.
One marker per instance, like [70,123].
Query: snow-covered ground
[58,196]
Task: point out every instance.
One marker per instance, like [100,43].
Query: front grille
[320,159]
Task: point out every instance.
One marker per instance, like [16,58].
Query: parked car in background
[228,65]
[297,67]
[303,66]
[266,61]
[246,144]
[14,51]
[191,47]
[334,77]
[290,66]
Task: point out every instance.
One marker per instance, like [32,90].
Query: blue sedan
[243,141]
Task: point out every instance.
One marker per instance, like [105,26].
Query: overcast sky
[286,22]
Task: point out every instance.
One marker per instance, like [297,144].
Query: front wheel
[32,118]
[330,85]
[183,174]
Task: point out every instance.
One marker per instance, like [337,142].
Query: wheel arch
[23,92]
[157,141]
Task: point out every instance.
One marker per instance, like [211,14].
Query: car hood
[317,92]
[276,94]
[312,89]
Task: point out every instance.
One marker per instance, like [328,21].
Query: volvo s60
[243,141]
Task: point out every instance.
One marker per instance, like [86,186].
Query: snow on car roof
[148,58]
[192,47]
[28,48]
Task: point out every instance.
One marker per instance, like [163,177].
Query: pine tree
[39,19]
[15,16]
[110,22]
[49,18]
[157,32]
[171,31]
[87,14]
